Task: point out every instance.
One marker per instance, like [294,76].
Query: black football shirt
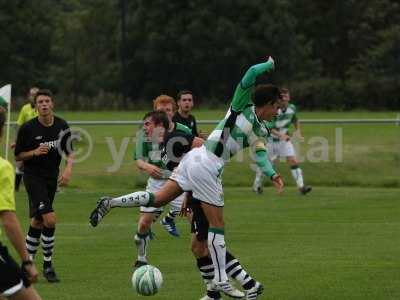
[57,137]
[174,146]
[189,122]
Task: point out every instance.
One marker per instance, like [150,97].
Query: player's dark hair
[43,92]
[265,94]
[284,90]
[183,92]
[159,117]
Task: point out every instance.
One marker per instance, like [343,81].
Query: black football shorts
[41,194]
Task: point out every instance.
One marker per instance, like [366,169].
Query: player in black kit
[41,142]
[185,104]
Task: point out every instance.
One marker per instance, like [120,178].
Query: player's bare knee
[145,222]
[36,223]
[143,228]
[50,220]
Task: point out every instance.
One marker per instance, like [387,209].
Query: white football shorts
[154,185]
[281,149]
[200,171]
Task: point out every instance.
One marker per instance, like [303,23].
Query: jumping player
[201,169]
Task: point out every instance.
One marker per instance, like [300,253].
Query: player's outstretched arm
[242,94]
[265,165]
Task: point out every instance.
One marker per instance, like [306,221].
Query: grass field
[336,243]
[340,242]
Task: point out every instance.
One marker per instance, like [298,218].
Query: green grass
[335,243]
[340,242]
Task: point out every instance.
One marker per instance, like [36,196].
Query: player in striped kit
[201,169]
[280,144]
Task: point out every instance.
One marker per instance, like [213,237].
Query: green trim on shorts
[151,200]
[216,230]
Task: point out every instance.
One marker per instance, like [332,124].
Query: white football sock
[135,199]
[142,241]
[298,177]
[217,248]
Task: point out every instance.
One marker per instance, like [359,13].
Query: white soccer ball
[147,280]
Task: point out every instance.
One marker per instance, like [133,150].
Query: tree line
[119,54]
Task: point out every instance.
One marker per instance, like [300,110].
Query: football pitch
[341,241]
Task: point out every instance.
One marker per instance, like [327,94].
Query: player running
[201,169]
[280,144]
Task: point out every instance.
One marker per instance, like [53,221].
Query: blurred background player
[185,103]
[40,144]
[15,281]
[27,113]
[280,144]
[148,159]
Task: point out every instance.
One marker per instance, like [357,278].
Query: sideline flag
[5,102]
[5,96]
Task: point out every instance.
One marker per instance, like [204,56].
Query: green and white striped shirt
[240,128]
[284,120]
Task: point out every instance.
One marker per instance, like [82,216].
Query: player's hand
[271,60]
[185,210]
[154,171]
[30,271]
[284,137]
[203,135]
[12,146]
[278,183]
[65,177]
[41,150]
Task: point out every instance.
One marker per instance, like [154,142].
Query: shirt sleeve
[182,128]
[141,149]
[7,201]
[242,95]
[262,160]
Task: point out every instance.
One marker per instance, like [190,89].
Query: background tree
[338,54]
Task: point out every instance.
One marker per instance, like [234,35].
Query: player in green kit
[148,159]
[200,170]
[280,144]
